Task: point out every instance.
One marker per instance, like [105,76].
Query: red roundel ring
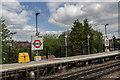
[38,45]
[106,42]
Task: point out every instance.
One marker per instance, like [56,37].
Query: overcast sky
[57,17]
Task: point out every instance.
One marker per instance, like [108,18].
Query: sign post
[37,44]
[106,44]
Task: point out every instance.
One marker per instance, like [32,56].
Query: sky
[57,17]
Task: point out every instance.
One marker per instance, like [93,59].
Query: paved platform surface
[16,66]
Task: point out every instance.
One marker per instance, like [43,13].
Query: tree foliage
[52,43]
[6,35]
[79,37]
[115,43]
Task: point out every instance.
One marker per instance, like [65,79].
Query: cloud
[28,31]
[53,6]
[100,13]
[12,6]
[62,14]
[14,13]
[65,15]
[54,32]
[24,32]
[16,18]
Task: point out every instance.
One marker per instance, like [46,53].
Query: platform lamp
[113,43]
[37,24]
[37,33]
[88,44]
[66,42]
[66,38]
[106,34]
[106,29]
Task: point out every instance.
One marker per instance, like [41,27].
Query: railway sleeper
[99,74]
[96,70]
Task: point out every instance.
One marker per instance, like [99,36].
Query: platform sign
[106,42]
[37,43]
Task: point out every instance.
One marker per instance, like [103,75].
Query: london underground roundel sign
[106,42]
[37,43]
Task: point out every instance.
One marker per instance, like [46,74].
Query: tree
[87,30]
[79,37]
[52,42]
[97,41]
[115,43]
[62,43]
[6,35]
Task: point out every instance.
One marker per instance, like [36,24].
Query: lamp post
[66,43]
[106,30]
[113,42]
[106,47]
[88,45]
[37,24]
[37,33]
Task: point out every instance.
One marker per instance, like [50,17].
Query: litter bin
[37,58]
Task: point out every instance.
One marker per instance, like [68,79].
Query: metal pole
[37,24]
[30,51]
[46,52]
[88,45]
[66,43]
[103,47]
[106,32]
[37,30]
[71,50]
[113,43]
[81,50]
[9,55]
[97,48]
[36,27]
[60,51]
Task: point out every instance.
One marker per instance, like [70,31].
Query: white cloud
[12,6]
[97,14]
[111,35]
[52,6]
[64,16]
[54,32]
[9,0]
[16,19]
[39,10]
[24,32]
[28,31]
[65,0]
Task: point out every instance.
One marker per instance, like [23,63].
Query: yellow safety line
[49,62]
[53,61]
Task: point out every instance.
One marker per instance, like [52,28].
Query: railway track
[88,72]
[114,76]
[98,72]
